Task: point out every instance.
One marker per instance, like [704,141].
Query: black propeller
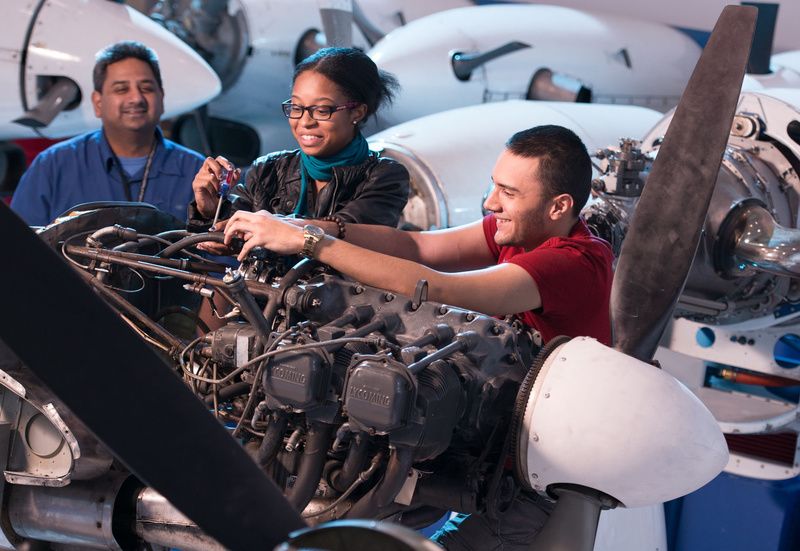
[761,52]
[663,237]
[665,231]
[130,399]
[337,23]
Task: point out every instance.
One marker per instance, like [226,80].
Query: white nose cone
[598,418]
[66,35]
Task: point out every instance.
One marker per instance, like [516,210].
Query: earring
[355,122]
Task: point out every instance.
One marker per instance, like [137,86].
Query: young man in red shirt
[531,256]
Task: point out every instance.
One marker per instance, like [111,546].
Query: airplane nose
[61,47]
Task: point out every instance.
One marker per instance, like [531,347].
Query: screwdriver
[224,188]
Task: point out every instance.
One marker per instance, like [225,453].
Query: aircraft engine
[746,263]
[356,401]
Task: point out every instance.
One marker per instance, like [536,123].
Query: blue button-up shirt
[82,169]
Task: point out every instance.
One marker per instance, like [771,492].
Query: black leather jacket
[373,192]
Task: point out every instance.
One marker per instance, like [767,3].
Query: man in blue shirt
[127,160]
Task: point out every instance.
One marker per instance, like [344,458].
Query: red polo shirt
[573,275]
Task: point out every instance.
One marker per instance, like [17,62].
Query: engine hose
[312,462]
[383,494]
[296,272]
[228,392]
[190,241]
[353,464]
[237,286]
[273,438]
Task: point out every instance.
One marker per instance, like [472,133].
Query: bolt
[443,309]
[470,316]
[546,394]
[535,437]
[388,297]
[534,476]
[315,302]
[358,289]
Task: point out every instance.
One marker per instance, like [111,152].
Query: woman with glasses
[333,175]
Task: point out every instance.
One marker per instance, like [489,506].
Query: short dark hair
[120,51]
[354,73]
[564,164]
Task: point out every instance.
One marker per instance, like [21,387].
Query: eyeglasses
[317,112]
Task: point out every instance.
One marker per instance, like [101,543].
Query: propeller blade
[372,33]
[337,22]
[663,237]
[464,64]
[761,52]
[131,400]
[61,95]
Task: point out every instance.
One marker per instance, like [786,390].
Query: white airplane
[487,53]
[46,70]
[49,58]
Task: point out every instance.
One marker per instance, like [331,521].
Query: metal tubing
[311,464]
[78,514]
[767,245]
[464,341]
[353,463]
[159,522]
[383,494]
[131,310]
[134,259]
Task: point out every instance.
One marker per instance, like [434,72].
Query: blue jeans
[513,530]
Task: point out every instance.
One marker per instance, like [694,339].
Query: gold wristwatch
[313,234]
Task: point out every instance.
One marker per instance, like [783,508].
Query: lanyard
[126,184]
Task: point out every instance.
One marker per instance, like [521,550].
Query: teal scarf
[321,168]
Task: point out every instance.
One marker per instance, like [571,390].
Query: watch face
[313,234]
[313,231]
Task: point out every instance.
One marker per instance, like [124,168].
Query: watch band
[313,235]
